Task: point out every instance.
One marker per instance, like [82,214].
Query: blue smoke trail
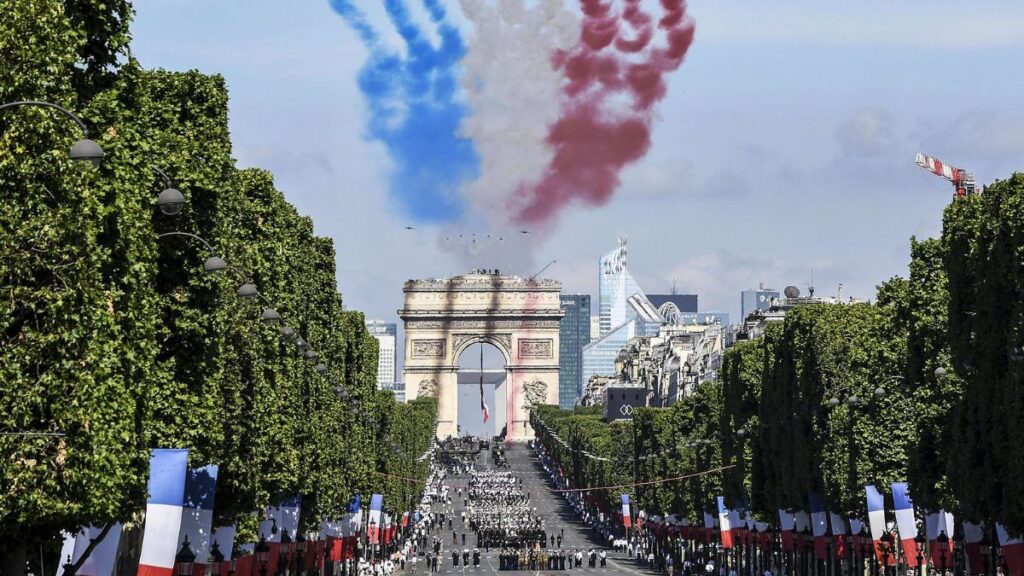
[414,111]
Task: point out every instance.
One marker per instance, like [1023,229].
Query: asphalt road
[558,517]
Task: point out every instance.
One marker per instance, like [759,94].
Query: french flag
[973,535]
[904,509]
[353,525]
[373,529]
[67,552]
[937,523]
[224,537]
[197,514]
[101,561]
[787,523]
[709,525]
[729,521]
[838,534]
[819,524]
[627,518]
[167,470]
[876,521]
[1013,551]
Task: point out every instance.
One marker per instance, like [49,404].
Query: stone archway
[519,317]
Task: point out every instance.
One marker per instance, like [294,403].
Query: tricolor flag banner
[197,514]
[1013,551]
[387,528]
[353,525]
[288,516]
[936,523]
[101,561]
[973,535]
[67,551]
[373,526]
[801,521]
[876,521]
[167,469]
[838,534]
[627,518]
[819,524]
[224,536]
[729,521]
[709,525]
[859,540]
[905,523]
[787,523]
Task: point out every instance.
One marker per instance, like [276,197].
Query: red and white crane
[963,181]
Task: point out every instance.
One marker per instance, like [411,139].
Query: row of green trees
[922,385]
[116,342]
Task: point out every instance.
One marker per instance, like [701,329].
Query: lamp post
[919,543]
[170,201]
[284,561]
[300,554]
[85,151]
[185,558]
[958,549]
[216,559]
[262,551]
[943,541]
[887,545]
[212,264]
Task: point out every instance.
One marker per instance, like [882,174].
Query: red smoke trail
[596,136]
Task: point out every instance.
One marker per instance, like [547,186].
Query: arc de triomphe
[520,317]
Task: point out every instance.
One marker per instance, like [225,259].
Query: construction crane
[963,181]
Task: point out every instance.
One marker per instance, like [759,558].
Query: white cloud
[868,132]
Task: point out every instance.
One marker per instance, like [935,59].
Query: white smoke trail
[513,92]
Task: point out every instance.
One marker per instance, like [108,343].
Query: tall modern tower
[574,334]
[385,333]
[616,286]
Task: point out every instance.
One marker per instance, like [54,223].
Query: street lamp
[85,151]
[300,553]
[919,542]
[212,264]
[284,561]
[216,559]
[262,551]
[171,200]
[320,368]
[185,558]
[887,545]
[943,541]
[270,316]
[248,290]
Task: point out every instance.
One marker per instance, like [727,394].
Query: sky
[785,142]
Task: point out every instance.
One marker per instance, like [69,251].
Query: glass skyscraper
[574,334]
[616,285]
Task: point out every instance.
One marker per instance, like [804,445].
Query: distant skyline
[785,143]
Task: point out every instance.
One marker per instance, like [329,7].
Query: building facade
[386,334]
[574,334]
[760,299]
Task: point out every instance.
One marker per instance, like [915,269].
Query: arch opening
[481,366]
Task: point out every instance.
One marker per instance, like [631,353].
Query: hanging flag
[167,470]
[627,518]
[860,541]
[973,535]
[354,524]
[483,405]
[197,514]
[876,522]
[787,523]
[936,523]
[819,523]
[288,517]
[373,527]
[101,561]
[709,525]
[224,536]
[905,523]
[728,521]
[67,551]
[838,534]
[1013,551]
